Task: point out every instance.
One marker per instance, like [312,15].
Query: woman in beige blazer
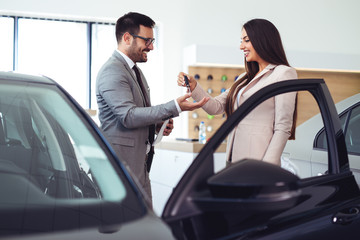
[264,132]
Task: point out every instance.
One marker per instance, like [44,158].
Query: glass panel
[54,147]
[103,45]
[6,43]
[320,141]
[57,50]
[59,169]
[352,136]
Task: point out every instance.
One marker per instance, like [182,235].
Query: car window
[50,158]
[53,149]
[320,141]
[352,131]
[352,134]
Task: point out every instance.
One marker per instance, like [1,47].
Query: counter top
[185,146]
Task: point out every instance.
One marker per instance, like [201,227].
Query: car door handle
[346,216]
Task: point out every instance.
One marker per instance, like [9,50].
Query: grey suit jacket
[122,113]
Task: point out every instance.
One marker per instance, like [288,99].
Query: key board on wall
[342,84]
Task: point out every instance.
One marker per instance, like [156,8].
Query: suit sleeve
[284,110]
[124,101]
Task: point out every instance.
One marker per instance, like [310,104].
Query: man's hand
[186,105]
[168,129]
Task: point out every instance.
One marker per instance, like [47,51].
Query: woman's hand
[181,81]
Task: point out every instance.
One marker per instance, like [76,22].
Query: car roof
[341,106]
[346,103]
[22,77]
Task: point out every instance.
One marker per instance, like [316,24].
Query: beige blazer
[263,133]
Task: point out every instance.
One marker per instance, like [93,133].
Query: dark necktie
[138,77]
[152,126]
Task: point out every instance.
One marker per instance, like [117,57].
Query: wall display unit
[215,80]
[341,84]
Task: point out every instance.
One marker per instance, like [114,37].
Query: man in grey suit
[123,96]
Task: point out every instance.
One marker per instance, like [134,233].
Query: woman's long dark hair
[266,40]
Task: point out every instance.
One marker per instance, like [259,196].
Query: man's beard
[136,55]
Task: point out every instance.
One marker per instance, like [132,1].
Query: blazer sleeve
[215,105]
[284,110]
[122,96]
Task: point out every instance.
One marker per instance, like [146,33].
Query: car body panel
[148,227]
[309,161]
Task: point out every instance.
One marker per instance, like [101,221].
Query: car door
[252,199]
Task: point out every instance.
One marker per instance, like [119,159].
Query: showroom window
[69,51]
[6,43]
[103,45]
[56,49]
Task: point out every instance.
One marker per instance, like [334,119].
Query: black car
[60,178]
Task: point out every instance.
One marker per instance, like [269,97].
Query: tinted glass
[352,135]
[321,141]
[103,45]
[50,161]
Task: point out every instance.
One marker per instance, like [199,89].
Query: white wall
[315,33]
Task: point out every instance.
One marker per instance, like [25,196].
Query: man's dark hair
[130,23]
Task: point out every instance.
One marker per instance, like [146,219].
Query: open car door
[253,199]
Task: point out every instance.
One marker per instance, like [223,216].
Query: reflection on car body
[60,178]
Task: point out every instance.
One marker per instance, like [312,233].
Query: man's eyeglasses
[148,41]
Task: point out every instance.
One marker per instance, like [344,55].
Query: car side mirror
[255,185]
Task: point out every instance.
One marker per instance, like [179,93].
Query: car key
[187,84]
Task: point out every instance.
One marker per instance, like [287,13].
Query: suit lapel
[133,76]
[254,85]
[250,87]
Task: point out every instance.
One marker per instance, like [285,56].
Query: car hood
[143,228]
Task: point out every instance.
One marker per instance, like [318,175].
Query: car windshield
[50,158]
